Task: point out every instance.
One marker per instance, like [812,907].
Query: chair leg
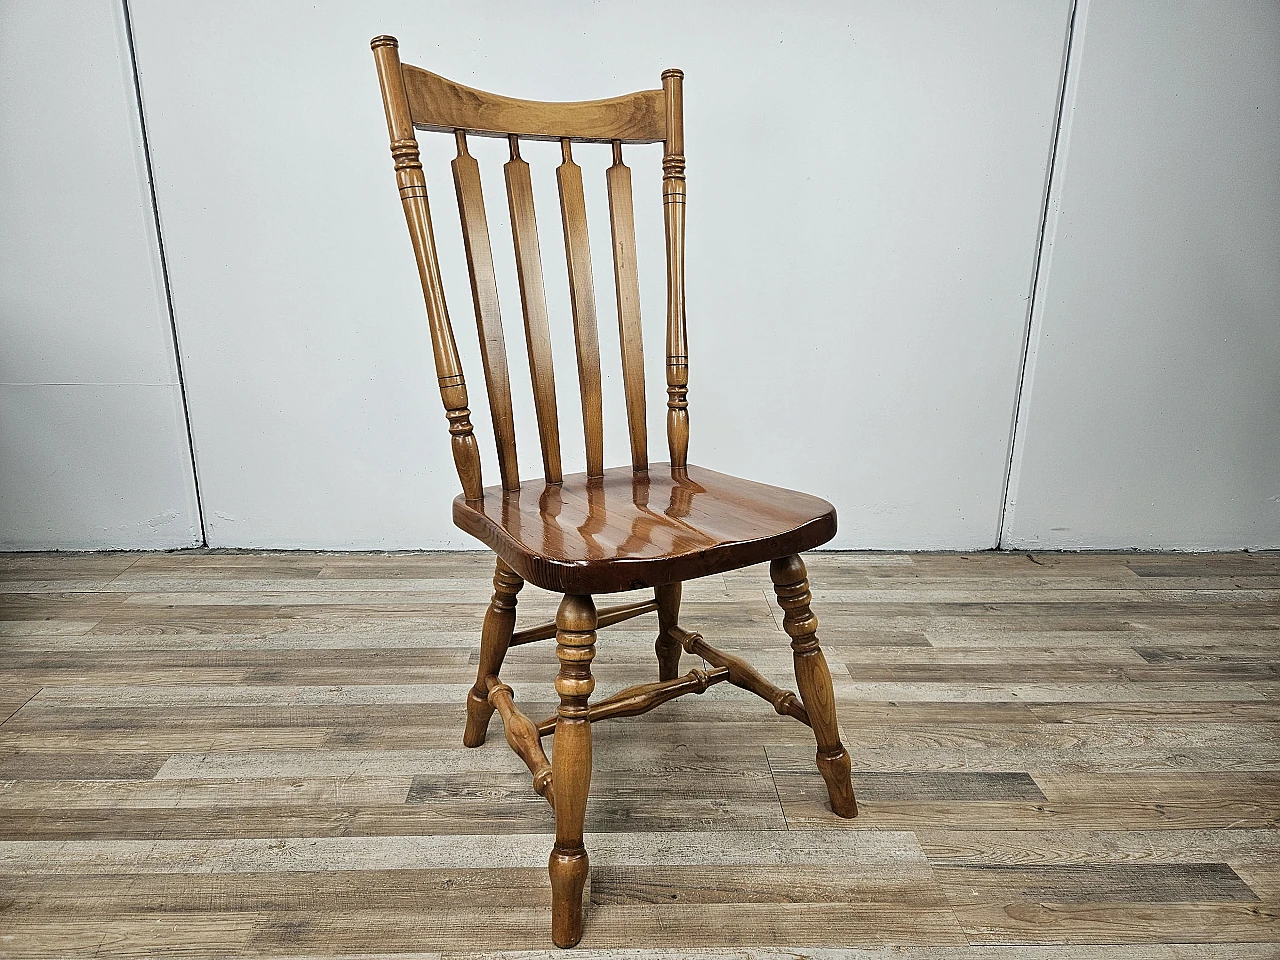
[791,584]
[495,637]
[667,647]
[571,765]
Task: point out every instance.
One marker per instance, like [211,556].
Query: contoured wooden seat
[605,530]
[628,530]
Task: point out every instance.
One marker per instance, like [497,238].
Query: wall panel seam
[164,267]
[1044,241]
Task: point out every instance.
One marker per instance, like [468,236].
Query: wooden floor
[212,754]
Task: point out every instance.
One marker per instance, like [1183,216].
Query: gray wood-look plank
[239,754]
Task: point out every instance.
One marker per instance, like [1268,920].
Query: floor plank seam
[23,704]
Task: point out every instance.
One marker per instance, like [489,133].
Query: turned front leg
[571,765]
[791,584]
[495,637]
[667,646]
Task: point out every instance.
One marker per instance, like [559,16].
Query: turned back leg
[495,637]
[667,646]
[571,765]
[791,584]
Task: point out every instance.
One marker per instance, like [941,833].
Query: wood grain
[582,301]
[440,104]
[533,302]
[673,214]
[484,297]
[246,754]
[630,530]
[626,278]
[413,197]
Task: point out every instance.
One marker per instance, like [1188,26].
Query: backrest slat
[626,277]
[582,297]
[533,301]
[484,294]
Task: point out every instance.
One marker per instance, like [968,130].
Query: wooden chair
[607,530]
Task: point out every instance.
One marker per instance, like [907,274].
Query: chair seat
[631,530]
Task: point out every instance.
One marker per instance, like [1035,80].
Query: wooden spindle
[522,737]
[484,295]
[673,200]
[626,278]
[640,699]
[582,297]
[743,674]
[413,197]
[533,301]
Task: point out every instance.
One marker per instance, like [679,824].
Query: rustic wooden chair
[607,530]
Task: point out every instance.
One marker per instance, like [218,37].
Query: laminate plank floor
[217,754]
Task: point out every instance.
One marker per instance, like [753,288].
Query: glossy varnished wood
[630,530]
[440,104]
[484,297]
[603,531]
[742,674]
[667,646]
[495,638]
[533,303]
[791,584]
[582,300]
[576,624]
[673,214]
[413,198]
[626,277]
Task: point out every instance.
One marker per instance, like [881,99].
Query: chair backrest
[415,98]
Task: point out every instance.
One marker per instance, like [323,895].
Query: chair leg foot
[495,637]
[791,584]
[479,712]
[667,647]
[835,771]
[568,870]
[571,765]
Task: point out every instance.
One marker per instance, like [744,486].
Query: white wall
[865,186]
[1152,412]
[93,443]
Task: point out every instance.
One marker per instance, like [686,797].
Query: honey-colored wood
[522,736]
[626,278]
[495,638]
[413,197]
[571,754]
[582,298]
[667,647]
[742,674]
[440,104]
[676,525]
[643,697]
[533,302]
[791,584]
[605,530]
[606,617]
[673,214]
[484,295]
